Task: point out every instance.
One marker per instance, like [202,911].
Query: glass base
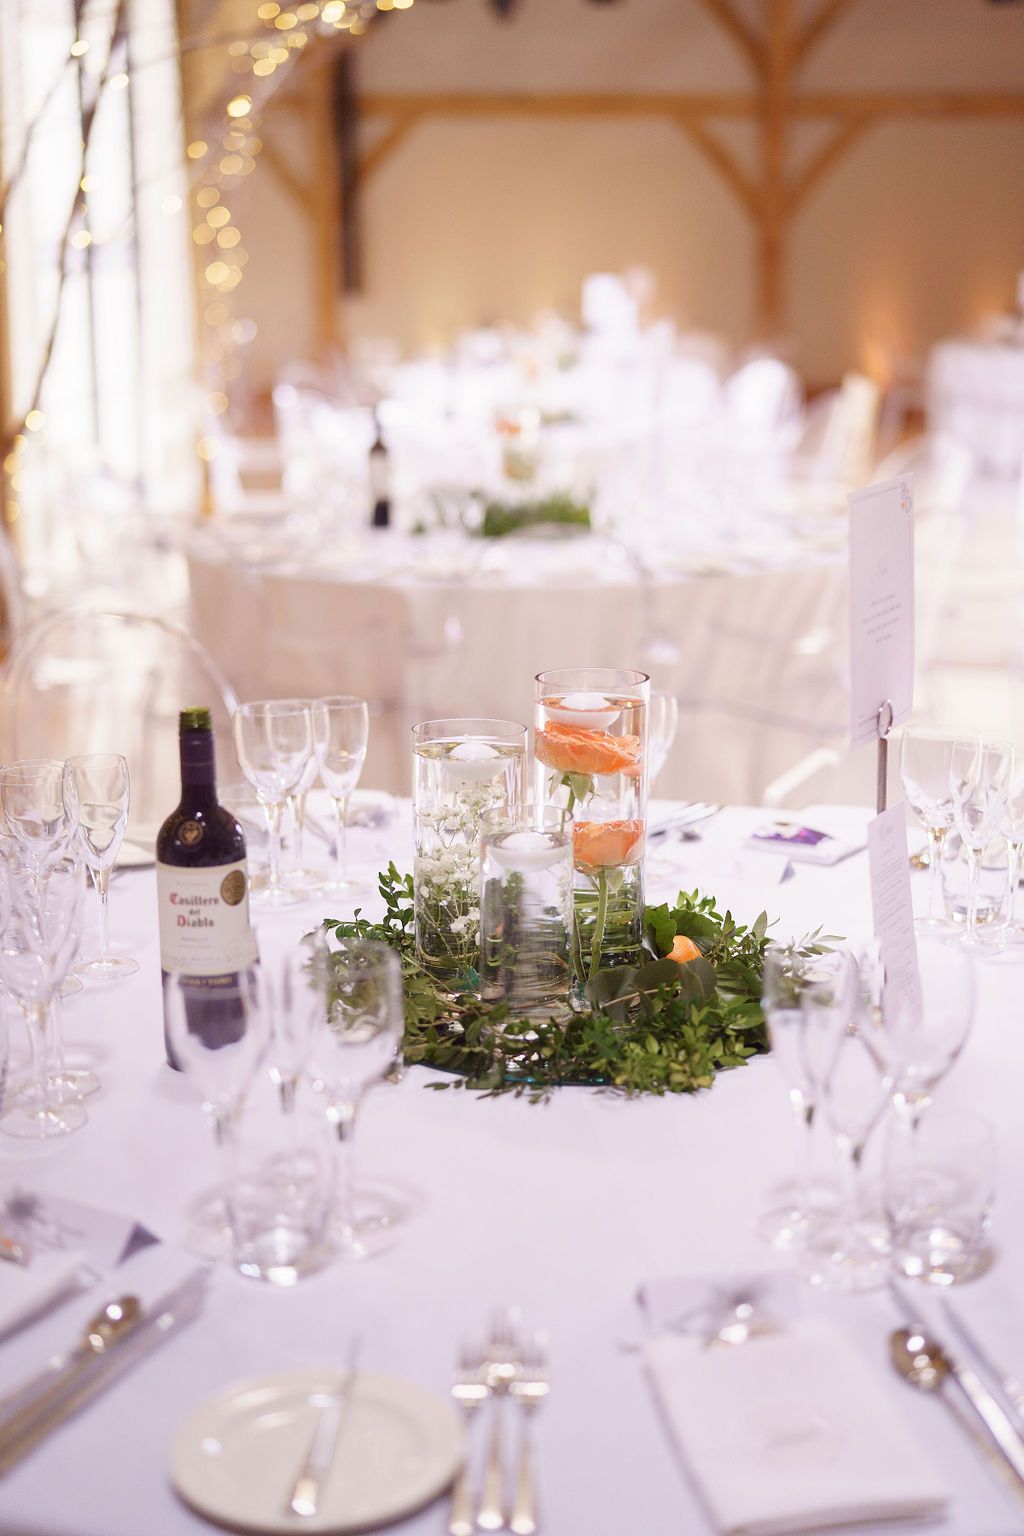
[345,883]
[850,1256]
[115,968]
[275,897]
[69,986]
[789,1228]
[74,1083]
[39,1124]
[937,927]
[938,1255]
[309,881]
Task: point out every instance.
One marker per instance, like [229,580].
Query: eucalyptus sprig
[657,1027]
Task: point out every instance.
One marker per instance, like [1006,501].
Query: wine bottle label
[204,919]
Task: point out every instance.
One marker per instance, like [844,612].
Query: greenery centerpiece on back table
[661,1026]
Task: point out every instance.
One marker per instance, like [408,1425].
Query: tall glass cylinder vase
[526,911]
[590,753]
[461,768]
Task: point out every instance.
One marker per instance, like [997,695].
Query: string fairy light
[227,155]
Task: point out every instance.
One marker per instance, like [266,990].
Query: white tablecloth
[976,395]
[565,1209]
[751,646]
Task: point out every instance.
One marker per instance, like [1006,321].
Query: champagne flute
[980,774]
[341,727]
[925,753]
[98,789]
[307,880]
[38,817]
[782,981]
[918,1032]
[38,943]
[273,740]
[353,1047]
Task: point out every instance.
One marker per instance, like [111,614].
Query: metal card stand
[885,717]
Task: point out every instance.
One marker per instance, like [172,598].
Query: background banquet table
[565,1209]
[747,632]
[976,396]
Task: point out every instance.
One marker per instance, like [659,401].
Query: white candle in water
[471,761]
[526,850]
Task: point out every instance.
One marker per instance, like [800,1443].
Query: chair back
[82,681]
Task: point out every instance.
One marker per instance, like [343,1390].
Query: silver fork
[500,1365]
[529,1389]
[469,1389]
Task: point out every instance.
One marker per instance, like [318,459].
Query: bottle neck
[198,767]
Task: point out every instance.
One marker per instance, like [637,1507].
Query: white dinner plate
[235,1459]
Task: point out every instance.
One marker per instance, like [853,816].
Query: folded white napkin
[790,1432]
[31,1288]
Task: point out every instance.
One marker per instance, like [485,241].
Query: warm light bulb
[238,106]
[196,150]
[80,239]
[34,420]
[207,196]
[334,10]
[78,47]
[269,11]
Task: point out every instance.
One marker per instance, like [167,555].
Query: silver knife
[323,1448]
[689,816]
[1008,1385]
[33,1422]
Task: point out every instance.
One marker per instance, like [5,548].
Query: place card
[881,605]
[893,912]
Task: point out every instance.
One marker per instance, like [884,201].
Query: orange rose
[683,950]
[571,749]
[606,844]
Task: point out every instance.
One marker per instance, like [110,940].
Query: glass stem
[224,1136]
[101,880]
[341,852]
[599,922]
[36,1015]
[55,1047]
[804,1108]
[973,876]
[936,845]
[1013,859]
[299,813]
[344,1117]
[850,1159]
[273,814]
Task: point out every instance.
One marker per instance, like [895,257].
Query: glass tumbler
[938,1184]
[526,911]
[461,769]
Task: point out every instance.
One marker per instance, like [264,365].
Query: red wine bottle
[203,893]
[380,478]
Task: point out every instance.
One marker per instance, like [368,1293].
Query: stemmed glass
[38,942]
[294,989]
[915,1036]
[41,823]
[273,740]
[781,985]
[220,1062]
[98,792]
[1011,825]
[308,881]
[925,753]
[980,774]
[341,728]
[354,1047]
[662,725]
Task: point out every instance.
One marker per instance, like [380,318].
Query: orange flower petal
[571,749]
[606,844]
[683,950]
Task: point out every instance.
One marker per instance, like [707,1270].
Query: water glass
[786,1226]
[662,725]
[1011,827]
[938,1186]
[921,1032]
[980,774]
[461,769]
[341,731]
[274,741]
[97,791]
[526,910]
[353,1047]
[925,753]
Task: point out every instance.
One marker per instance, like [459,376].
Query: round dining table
[565,1209]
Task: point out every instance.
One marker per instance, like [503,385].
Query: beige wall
[917,233]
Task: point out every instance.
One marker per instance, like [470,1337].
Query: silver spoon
[116,1319]
[922,1362]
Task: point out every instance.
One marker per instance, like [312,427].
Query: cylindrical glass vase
[590,754]
[461,768]
[526,911]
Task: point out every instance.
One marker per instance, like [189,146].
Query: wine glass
[662,725]
[353,1047]
[98,791]
[294,989]
[308,881]
[925,753]
[38,943]
[220,1049]
[341,728]
[921,1030]
[1011,827]
[273,740]
[980,774]
[38,818]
